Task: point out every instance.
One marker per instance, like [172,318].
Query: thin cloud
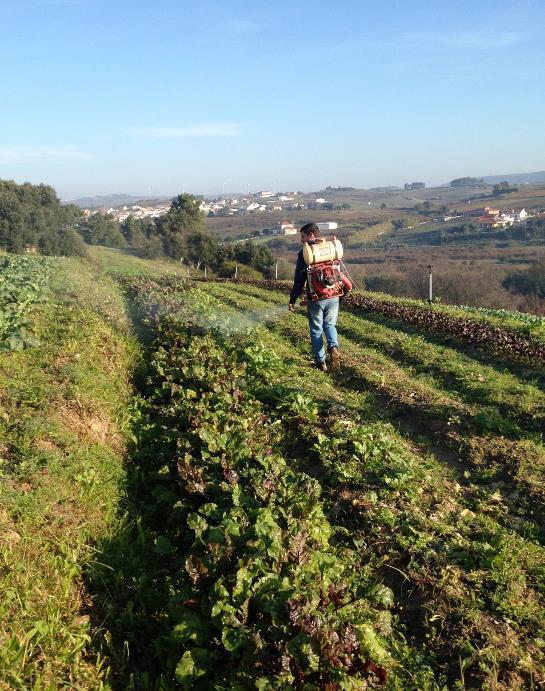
[244,26]
[188,132]
[470,39]
[23,153]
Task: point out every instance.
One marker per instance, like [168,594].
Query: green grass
[64,424]
[123,262]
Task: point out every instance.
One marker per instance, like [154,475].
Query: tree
[467,181]
[138,230]
[101,229]
[153,248]
[463,229]
[530,282]
[248,253]
[280,244]
[32,215]
[393,283]
[264,260]
[227,270]
[423,208]
[202,248]
[182,219]
[503,188]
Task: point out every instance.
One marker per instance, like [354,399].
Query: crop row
[469,330]
[523,317]
[465,578]
[472,587]
[261,595]
[456,573]
[476,332]
[23,283]
[466,589]
[496,438]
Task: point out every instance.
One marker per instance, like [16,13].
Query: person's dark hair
[311,228]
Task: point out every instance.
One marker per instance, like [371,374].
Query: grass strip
[64,425]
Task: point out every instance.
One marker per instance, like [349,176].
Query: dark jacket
[299,278]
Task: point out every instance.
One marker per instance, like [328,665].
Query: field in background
[398,202]
[468,269]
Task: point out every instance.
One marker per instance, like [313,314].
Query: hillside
[390,248]
[517,178]
[272,526]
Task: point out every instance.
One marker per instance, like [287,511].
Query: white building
[159,211]
[511,217]
[287,228]
[328,225]
[506,219]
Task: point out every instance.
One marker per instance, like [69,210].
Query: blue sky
[131,96]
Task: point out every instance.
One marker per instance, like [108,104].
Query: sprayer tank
[325,251]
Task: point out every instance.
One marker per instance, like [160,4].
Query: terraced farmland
[423,462]
[272,526]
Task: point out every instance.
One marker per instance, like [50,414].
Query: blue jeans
[322,318]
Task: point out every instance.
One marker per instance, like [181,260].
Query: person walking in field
[322,311]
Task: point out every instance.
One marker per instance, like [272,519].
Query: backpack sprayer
[324,276]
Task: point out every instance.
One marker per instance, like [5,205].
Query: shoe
[321,366]
[334,358]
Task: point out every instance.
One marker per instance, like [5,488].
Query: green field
[187,503]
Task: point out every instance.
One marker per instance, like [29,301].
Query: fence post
[205,271]
[236,271]
[430,298]
[276,271]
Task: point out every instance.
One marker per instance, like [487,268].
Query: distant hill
[516,178]
[114,200]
